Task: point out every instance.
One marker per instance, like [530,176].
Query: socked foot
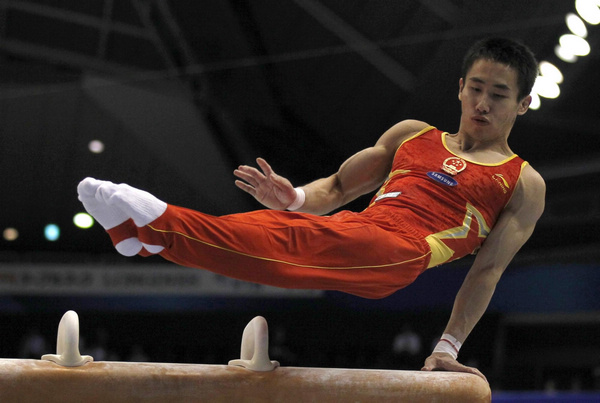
[107,216]
[113,204]
[140,206]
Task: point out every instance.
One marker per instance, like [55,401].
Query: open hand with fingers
[445,362]
[271,190]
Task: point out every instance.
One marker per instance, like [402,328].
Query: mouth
[479,120]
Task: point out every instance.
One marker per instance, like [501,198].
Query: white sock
[153,248]
[129,247]
[112,204]
[107,216]
[141,206]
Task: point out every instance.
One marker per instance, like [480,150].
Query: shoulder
[401,132]
[532,183]
[532,177]
[530,193]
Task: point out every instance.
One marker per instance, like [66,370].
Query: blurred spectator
[34,345]
[138,354]
[99,348]
[278,349]
[406,348]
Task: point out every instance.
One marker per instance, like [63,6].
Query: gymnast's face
[488,96]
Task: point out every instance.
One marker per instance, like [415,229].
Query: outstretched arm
[362,173]
[513,229]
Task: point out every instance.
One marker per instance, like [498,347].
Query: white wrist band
[448,344]
[299,201]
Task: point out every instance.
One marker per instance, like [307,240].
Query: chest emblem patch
[454,165]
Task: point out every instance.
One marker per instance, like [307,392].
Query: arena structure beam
[370,51]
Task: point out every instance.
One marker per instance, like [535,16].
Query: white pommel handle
[255,347]
[67,343]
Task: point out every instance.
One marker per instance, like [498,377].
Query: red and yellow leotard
[421,217]
[453,211]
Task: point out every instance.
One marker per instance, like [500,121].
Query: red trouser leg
[125,231]
[290,250]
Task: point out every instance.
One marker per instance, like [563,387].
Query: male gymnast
[441,196]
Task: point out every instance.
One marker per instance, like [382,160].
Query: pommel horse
[69,377]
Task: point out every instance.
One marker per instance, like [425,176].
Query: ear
[461,85]
[524,105]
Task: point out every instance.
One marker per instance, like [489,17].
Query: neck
[468,144]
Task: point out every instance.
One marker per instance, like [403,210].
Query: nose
[483,105]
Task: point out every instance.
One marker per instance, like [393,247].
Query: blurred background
[171,96]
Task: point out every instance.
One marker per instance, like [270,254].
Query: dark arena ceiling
[180,92]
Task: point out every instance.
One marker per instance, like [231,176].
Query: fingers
[249,174]
[261,184]
[266,168]
[479,373]
[470,370]
[254,177]
[245,187]
[249,171]
[245,177]
[454,366]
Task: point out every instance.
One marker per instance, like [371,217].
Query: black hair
[509,52]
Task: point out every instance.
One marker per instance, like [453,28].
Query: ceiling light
[83,220]
[575,44]
[565,54]
[589,10]
[52,232]
[10,234]
[96,146]
[576,25]
[551,72]
[535,101]
[546,88]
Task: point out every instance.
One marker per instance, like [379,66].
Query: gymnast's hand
[444,362]
[271,190]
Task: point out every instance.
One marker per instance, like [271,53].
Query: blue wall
[531,289]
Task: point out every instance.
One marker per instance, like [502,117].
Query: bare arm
[362,173]
[513,229]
